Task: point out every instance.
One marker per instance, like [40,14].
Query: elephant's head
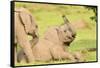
[28,22]
[63,34]
[66,32]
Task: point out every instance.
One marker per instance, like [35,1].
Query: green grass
[50,15]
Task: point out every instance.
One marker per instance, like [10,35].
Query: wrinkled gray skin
[52,46]
[24,26]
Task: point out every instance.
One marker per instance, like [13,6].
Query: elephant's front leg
[58,52]
[23,41]
[79,56]
[67,55]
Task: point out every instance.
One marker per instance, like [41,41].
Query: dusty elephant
[52,45]
[24,25]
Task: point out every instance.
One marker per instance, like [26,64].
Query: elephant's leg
[23,41]
[67,55]
[59,53]
[79,56]
[21,56]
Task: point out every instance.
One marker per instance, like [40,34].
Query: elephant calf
[52,45]
[24,25]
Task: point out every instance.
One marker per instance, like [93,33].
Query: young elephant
[24,26]
[52,45]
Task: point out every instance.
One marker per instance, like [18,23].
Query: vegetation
[49,15]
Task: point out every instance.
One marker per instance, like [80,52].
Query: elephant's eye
[73,35]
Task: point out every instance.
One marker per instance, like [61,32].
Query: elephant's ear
[52,35]
[25,20]
[59,33]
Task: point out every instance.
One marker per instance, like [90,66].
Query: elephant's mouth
[67,43]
